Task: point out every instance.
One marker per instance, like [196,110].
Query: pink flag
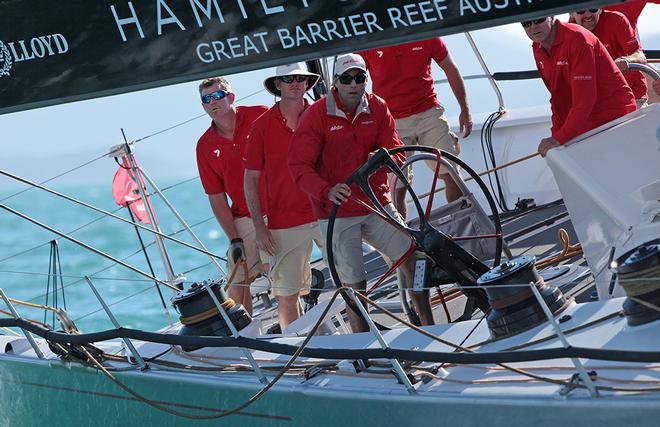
[127,193]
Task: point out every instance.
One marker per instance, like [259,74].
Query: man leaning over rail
[291,228]
[586,87]
[336,135]
[620,40]
[220,162]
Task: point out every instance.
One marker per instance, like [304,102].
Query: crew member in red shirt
[334,137]
[220,162]
[631,9]
[620,40]
[586,87]
[292,227]
[401,75]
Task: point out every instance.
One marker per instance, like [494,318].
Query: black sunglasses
[346,79]
[217,95]
[582,12]
[290,79]
[527,24]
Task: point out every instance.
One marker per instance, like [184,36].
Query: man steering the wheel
[335,136]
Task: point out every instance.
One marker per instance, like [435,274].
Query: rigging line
[146,256]
[69,233]
[109,266]
[87,205]
[86,246]
[141,291]
[191,119]
[245,404]
[71,276]
[185,181]
[54,177]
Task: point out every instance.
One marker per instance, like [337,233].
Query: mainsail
[80,49]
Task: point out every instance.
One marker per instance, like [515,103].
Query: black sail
[69,50]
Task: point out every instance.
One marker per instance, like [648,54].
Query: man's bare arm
[457,86]
[222,212]
[265,239]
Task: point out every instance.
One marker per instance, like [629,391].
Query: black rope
[266,345]
[146,256]
[489,158]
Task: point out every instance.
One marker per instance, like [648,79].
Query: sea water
[25,251]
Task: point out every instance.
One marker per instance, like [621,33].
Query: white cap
[346,62]
[295,69]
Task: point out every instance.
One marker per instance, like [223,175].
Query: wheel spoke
[394,266]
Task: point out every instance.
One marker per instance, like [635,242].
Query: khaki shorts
[429,128]
[290,271]
[347,243]
[245,229]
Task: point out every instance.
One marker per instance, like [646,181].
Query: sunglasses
[582,12]
[217,95]
[527,24]
[346,79]
[290,79]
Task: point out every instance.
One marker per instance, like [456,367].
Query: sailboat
[533,354]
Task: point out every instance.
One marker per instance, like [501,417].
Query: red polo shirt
[586,88]
[267,150]
[618,37]
[401,75]
[631,10]
[328,147]
[220,160]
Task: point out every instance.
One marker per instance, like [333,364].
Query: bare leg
[400,202]
[420,299]
[358,324]
[247,299]
[288,310]
[452,192]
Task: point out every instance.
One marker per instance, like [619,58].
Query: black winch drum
[638,273]
[200,316]
[515,308]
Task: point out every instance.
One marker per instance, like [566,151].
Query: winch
[638,273]
[514,306]
[201,317]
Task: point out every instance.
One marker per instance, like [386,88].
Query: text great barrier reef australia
[306,34]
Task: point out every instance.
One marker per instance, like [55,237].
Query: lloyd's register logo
[35,48]
[5,60]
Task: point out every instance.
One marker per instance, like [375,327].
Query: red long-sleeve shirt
[586,88]
[619,38]
[329,145]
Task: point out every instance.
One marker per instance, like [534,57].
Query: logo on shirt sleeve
[582,77]
[216,152]
[336,128]
[380,53]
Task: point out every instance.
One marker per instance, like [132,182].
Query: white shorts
[290,271]
[429,128]
[347,238]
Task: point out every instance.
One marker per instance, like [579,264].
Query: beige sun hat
[295,69]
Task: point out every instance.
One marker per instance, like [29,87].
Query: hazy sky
[41,143]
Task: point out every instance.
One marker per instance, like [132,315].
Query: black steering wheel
[457,263]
